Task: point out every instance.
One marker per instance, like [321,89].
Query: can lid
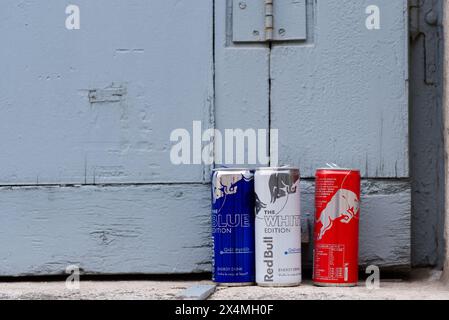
[231,169]
[285,168]
[336,167]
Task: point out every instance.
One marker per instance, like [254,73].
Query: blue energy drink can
[233,219]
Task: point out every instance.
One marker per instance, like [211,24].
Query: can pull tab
[333,165]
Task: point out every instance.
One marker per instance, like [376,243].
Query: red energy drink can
[336,234]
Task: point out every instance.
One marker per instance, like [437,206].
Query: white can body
[278,227]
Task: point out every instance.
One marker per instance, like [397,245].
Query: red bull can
[336,232]
[233,227]
[278,227]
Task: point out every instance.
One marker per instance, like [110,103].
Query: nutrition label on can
[332,259]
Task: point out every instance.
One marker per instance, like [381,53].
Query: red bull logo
[226,185]
[344,204]
[280,185]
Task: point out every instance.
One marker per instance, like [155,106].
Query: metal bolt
[432,18]
[255,33]
[282,32]
[242,5]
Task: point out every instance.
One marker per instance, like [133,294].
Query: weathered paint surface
[426,141]
[445,276]
[241,78]
[342,96]
[98,111]
[97,105]
[158,229]
[148,229]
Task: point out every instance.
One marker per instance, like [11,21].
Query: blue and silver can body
[233,227]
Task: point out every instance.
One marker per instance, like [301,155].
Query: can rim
[231,169]
[338,169]
[287,168]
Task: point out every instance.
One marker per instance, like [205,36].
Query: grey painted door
[98,104]
[86,116]
[338,96]
[341,96]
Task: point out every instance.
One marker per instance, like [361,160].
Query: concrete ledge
[173,290]
[96,290]
[389,290]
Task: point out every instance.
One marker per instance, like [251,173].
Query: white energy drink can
[278,227]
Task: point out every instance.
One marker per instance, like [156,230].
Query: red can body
[336,233]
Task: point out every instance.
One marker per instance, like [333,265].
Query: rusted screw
[281,32]
[242,5]
[256,33]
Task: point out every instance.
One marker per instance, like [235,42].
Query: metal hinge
[269,20]
[424,21]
